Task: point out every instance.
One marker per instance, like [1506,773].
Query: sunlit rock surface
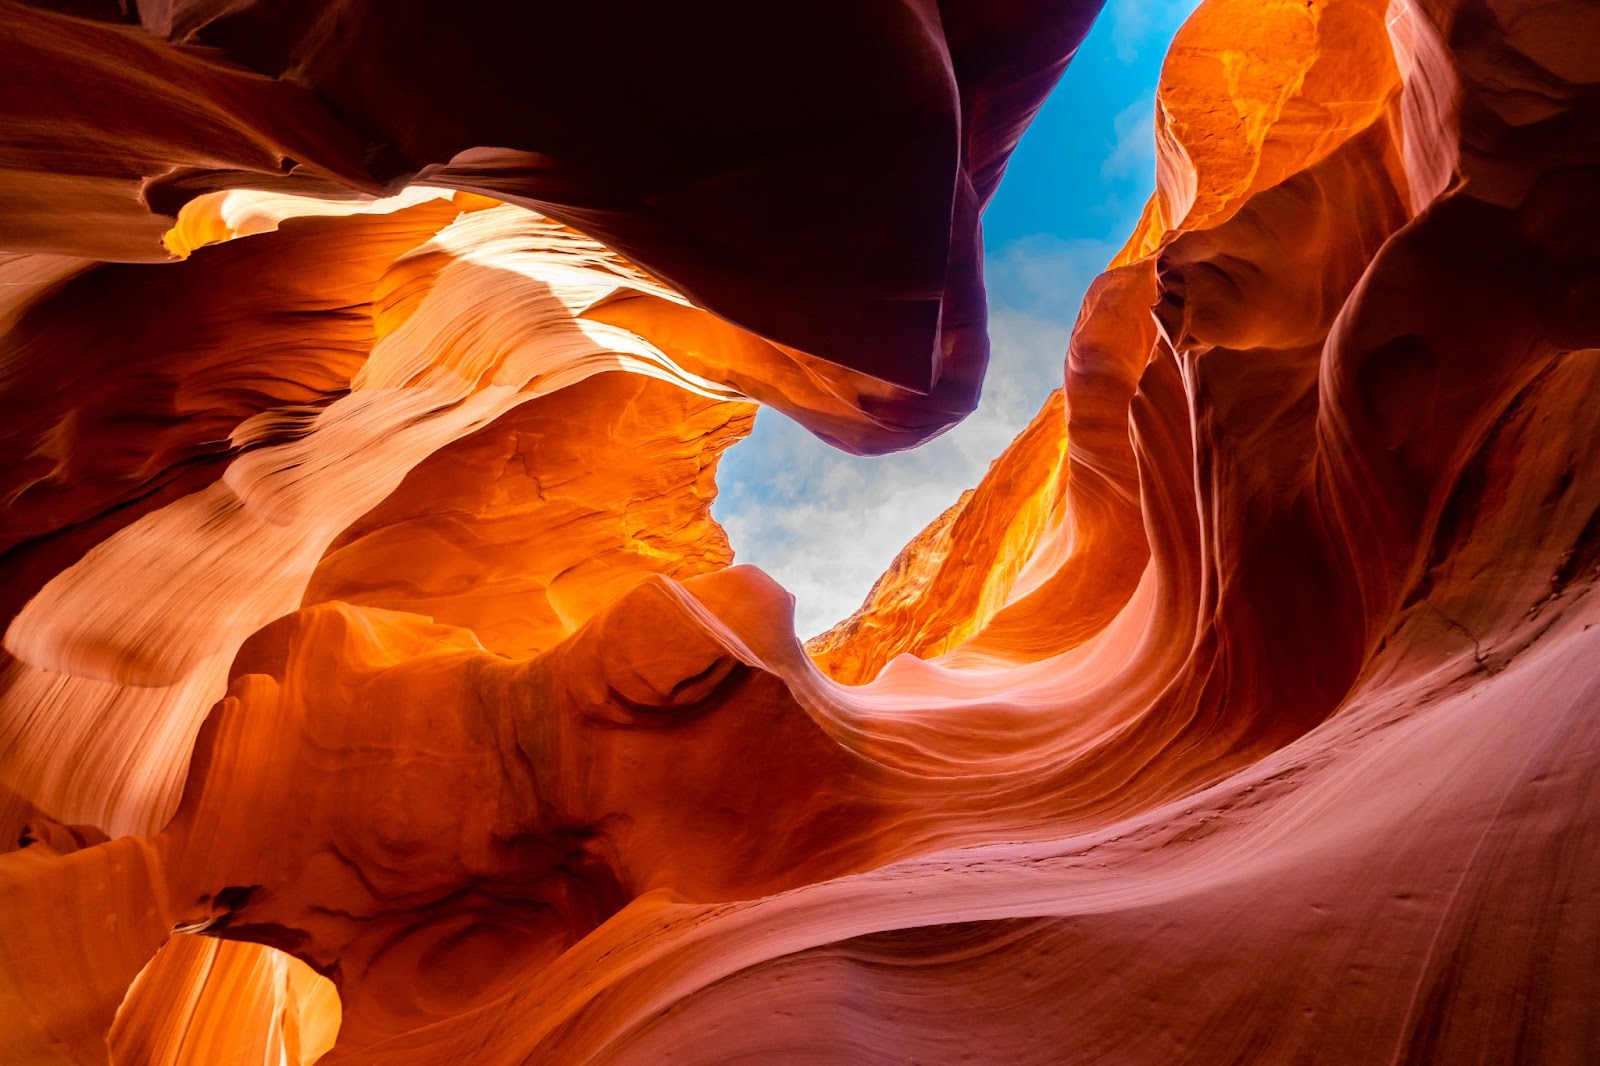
[378,689]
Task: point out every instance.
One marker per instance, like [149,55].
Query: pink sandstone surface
[377,687]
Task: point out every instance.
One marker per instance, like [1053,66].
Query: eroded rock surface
[378,688]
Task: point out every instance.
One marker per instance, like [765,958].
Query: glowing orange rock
[1245,711]
[521,522]
[710,134]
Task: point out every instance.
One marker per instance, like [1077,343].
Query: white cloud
[1133,154]
[1043,274]
[1137,24]
[827,524]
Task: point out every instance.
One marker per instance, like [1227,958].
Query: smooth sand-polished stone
[377,687]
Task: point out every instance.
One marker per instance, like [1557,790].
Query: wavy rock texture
[711,130]
[379,688]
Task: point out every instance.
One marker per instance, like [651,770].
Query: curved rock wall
[366,618]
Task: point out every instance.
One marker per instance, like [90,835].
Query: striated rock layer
[378,688]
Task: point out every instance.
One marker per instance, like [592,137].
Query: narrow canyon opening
[378,684]
[828,524]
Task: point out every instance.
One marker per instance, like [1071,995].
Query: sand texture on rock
[378,688]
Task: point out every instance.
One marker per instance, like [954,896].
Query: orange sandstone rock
[1245,712]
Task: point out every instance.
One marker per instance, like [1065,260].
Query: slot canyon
[378,686]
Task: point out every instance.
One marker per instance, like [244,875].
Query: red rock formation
[1245,712]
[720,125]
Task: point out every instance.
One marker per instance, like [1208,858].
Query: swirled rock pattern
[378,688]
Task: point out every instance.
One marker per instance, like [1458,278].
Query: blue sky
[827,524]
